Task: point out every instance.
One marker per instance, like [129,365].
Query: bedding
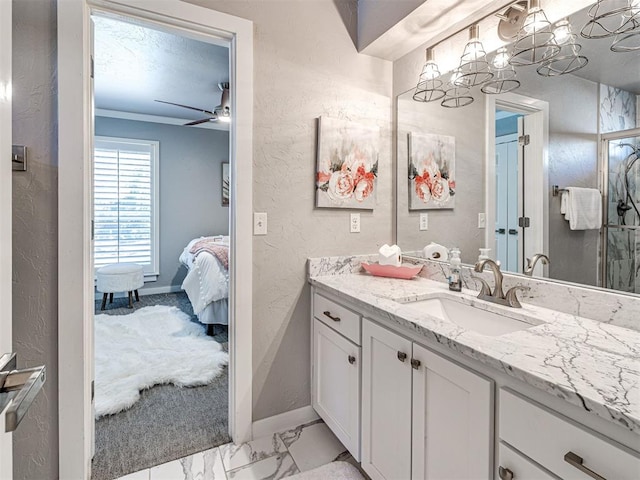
[207,280]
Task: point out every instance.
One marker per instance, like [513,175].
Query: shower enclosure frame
[605,139]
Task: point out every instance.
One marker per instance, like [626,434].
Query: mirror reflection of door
[508,191]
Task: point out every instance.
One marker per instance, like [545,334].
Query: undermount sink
[470,317]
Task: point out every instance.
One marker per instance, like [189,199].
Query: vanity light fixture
[456,96]
[474,68]
[568,60]
[611,17]
[504,75]
[429,86]
[629,40]
[535,42]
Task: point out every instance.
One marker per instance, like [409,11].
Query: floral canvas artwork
[347,164]
[432,182]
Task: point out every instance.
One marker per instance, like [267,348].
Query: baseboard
[284,421]
[157,290]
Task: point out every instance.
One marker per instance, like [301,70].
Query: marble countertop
[593,365]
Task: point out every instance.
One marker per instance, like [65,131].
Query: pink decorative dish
[404,272]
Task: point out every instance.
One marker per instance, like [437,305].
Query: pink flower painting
[432,182]
[347,164]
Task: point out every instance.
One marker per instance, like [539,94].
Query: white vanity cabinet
[336,370]
[558,444]
[423,416]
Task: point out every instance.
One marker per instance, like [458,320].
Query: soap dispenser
[455,281]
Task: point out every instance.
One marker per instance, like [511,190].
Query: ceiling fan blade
[187,106]
[198,122]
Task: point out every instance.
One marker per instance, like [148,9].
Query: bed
[207,280]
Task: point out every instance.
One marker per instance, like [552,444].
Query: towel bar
[557,190]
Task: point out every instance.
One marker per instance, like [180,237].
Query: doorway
[517,180]
[75,210]
[161,217]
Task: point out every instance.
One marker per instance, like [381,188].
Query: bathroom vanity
[422,383]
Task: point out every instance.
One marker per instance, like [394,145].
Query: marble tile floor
[277,456]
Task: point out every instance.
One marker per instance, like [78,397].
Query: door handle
[513,231]
[27,383]
[501,231]
[402,356]
[327,313]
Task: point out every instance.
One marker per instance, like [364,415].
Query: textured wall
[306,65]
[190,186]
[35,288]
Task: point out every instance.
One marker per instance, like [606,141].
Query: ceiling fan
[221,113]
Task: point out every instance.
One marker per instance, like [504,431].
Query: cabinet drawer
[520,468]
[340,318]
[546,437]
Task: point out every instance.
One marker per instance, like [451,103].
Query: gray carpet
[168,422]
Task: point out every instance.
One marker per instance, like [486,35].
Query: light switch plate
[355,223]
[259,223]
[482,220]
[424,221]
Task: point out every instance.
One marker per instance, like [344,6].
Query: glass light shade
[429,87]
[474,68]
[535,42]
[611,17]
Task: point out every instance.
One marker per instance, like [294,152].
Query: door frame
[76,297]
[526,105]
[6,319]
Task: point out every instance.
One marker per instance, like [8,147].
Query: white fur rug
[151,346]
[333,470]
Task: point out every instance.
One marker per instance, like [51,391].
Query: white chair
[119,277]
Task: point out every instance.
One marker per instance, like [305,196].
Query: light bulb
[430,71]
[454,77]
[562,32]
[501,60]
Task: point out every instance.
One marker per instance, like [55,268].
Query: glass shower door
[621,270]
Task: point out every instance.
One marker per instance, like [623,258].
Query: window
[125,197]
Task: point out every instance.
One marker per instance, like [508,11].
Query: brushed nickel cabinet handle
[402,356]
[327,313]
[415,364]
[352,359]
[505,474]
[576,461]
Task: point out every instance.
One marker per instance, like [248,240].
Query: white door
[507,195]
[386,403]
[6,452]
[336,384]
[452,420]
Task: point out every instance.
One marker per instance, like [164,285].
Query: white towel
[563,203]
[584,208]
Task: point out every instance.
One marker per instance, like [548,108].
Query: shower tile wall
[619,110]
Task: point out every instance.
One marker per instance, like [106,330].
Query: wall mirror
[486,151]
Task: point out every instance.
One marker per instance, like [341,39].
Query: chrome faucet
[531,263]
[497,296]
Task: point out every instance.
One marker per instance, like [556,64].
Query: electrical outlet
[482,220]
[355,223]
[424,221]
[259,223]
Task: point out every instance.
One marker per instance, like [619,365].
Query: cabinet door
[336,385]
[452,420]
[386,403]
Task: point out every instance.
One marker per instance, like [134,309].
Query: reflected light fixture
[569,59]
[429,86]
[629,40]
[611,17]
[456,96]
[5,91]
[474,68]
[535,42]
[504,75]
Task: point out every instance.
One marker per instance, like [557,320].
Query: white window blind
[125,202]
